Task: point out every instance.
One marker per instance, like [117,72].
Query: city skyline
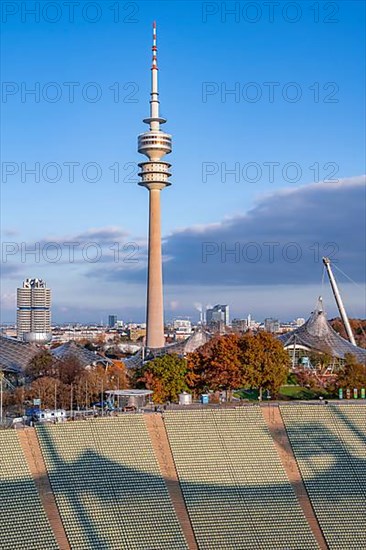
[223,141]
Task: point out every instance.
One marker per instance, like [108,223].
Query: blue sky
[273,144]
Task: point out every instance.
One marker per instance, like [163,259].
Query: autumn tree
[165,376]
[264,362]
[68,370]
[216,365]
[353,374]
[50,391]
[75,383]
[95,380]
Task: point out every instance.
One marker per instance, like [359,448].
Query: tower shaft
[155,308]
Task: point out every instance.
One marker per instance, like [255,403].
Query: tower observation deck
[154,174]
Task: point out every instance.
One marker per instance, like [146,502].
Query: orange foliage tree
[74,384]
[216,365]
[352,375]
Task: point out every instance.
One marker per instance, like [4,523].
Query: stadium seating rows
[108,485]
[236,490]
[329,444]
[23,522]
[111,495]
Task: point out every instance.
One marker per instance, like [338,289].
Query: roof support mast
[338,299]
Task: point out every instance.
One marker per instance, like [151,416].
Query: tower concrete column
[155,308]
[154,144]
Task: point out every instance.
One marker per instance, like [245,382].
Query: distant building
[137,333]
[239,325]
[217,315]
[79,333]
[252,323]
[34,312]
[112,321]
[182,328]
[272,325]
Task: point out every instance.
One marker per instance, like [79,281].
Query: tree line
[231,362]
[225,363]
[65,383]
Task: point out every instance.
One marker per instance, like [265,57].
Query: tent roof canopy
[318,335]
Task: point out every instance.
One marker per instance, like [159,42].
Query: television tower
[154,176]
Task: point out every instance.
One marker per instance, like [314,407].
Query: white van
[50,415]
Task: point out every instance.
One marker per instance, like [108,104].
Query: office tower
[112,321]
[34,312]
[218,314]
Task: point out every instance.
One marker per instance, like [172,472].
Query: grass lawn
[287,392]
[299,392]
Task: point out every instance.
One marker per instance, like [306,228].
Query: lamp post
[71,401]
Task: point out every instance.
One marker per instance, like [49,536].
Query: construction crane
[338,299]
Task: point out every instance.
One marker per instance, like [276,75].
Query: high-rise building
[112,321]
[218,314]
[239,325]
[154,174]
[271,325]
[34,312]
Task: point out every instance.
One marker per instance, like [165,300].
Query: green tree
[264,362]
[165,376]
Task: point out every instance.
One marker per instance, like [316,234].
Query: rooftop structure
[15,355]
[318,335]
[83,355]
[193,342]
[129,398]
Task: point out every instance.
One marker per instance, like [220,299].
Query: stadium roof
[196,340]
[83,355]
[318,335]
[15,354]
